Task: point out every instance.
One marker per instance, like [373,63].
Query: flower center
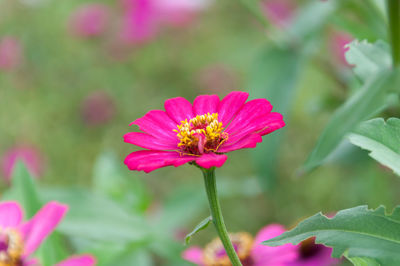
[308,248]
[201,134]
[11,247]
[215,255]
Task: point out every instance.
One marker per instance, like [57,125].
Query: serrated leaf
[201,226]
[363,262]
[382,139]
[357,232]
[369,59]
[372,98]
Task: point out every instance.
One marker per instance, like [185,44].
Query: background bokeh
[74,74]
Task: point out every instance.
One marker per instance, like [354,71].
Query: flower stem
[393,7]
[218,220]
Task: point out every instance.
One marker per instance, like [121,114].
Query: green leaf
[363,261]
[382,139]
[95,217]
[357,232]
[274,68]
[369,100]
[24,190]
[201,226]
[369,59]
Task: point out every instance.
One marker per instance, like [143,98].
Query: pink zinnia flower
[311,254]
[30,156]
[89,20]
[200,133]
[337,45]
[10,53]
[19,239]
[97,108]
[279,12]
[251,252]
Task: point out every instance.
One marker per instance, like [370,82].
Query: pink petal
[209,160]
[250,111]
[148,161]
[261,125]
[249,141]
[42,224]
[204,104]
[265,255]
[275,121]
[230,105]
[178,109]
[10,214]
[84,260]
[194,254]
[158,124]
[149,142]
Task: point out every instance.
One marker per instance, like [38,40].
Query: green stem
[393,7]
[218,220]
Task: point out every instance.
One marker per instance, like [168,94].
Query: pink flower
[19,239]
[311,254]
[10,53]
[89,20]
[200,133]
[337,45]
[251,252]
[139,21]
[97,108]
[179,12]
[279,12]
[30,156]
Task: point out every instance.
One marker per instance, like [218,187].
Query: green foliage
[363,261]
[369,59]
[382,139]
[357,232]
[373,97]
[201,226]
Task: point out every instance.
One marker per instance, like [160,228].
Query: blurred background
[74,74]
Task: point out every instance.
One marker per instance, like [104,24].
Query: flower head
[252,253]
[30,156]
[10,53]
[89,20]
[200,133]
[19,239]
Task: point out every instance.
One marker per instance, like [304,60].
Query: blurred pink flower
[139,21]
[279,12]
[337,44]
[19,239]
[30,156]
[251,252]
[217,78]
[11,54]
[97,108]
[202,132]
[89,20]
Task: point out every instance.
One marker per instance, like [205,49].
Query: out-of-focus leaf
[94,216]
[109,179]
[382,139]
[201,226]
[363,261]
[358,231]
[24,190]
[274,77]
[312,18]
[366,102]
[133,257]
[369,59]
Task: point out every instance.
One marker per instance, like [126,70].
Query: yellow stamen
[15,247]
